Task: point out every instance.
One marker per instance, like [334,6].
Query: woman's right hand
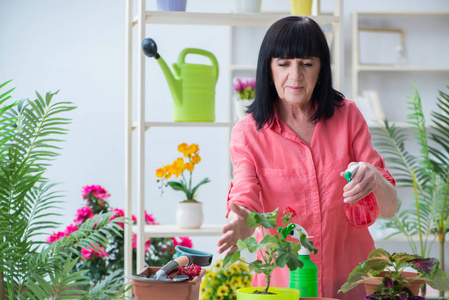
[236,229]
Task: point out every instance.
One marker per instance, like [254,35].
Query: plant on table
[275,250]
[245,87]
[178,167]
[101,261]
[394,286]
[221,283]
[30,131]
[427,173]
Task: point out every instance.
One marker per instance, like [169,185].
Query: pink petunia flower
[69,229]
[185,242]
[55,236]
[97,191]
[118,213]
[94,251]
[150,219]
[83,214]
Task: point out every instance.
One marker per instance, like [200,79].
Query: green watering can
[192,85]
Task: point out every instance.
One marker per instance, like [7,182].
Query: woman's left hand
[363,182]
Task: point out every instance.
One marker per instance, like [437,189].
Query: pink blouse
[274,168]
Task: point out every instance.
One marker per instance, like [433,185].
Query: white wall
[77,47]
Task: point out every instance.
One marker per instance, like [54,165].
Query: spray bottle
[304,279]
[364,212]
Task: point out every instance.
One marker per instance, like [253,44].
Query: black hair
[293,37]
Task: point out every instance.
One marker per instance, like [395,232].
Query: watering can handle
[210,55]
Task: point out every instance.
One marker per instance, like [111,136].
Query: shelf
[371,68]
[185,124]
[175,231]
[221,19]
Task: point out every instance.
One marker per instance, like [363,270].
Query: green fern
[426,172]
[30,131]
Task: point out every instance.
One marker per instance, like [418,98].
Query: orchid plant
[393,285]
[275,250]
[245,87]
[177,169]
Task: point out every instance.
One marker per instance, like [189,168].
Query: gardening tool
[192,85]
[162,273]
[199,258]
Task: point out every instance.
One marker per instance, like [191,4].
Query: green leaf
[266,220]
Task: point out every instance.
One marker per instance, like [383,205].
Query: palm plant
[29,268]
[426,173]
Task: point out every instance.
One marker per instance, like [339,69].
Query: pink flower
[69,229]
[118,213]
[96,251]
[150,219]
[55,236]
[83,214]
[97,191]
[185,242]
[237,83]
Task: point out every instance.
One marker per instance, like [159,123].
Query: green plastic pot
[281,293]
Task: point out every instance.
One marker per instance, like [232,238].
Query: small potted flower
[245,89]
[276,252]
[190,212]
[222,283]
[385,277]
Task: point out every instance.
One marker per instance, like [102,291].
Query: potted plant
[223,283]
[100,261]
[245,89]
[29,268]
[276,252]
[167,289]
[388,273]
[427,173]
[189,213]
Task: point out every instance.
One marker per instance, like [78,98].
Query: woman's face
[295,79]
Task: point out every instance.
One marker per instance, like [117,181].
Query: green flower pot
[280,294]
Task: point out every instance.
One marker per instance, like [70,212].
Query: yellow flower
[190,166]
[228,271]
[222,290]
[160,172]
[196,159]
[192,149]
[218,297]
[183,148]
[207,294]
[177,167]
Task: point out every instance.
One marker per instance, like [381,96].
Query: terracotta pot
[414,298]
[167,290]
[370,284]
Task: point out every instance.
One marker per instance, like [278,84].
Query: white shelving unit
[423,62]
[140,125]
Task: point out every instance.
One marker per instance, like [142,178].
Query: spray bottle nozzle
[349,173]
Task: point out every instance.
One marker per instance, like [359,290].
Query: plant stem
[417,211]
[2,287]
[441,240]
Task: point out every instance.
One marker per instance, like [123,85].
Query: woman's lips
[295,88]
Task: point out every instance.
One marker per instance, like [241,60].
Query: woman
[292,150]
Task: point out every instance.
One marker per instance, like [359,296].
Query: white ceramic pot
[241,106]
[189,215]
[247,6]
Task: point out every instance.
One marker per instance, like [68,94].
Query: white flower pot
[241,106]
[189,215]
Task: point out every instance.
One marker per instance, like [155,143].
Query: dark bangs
[294,40]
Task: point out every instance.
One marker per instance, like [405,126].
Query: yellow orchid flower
[178,167]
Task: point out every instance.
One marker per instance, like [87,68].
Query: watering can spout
[174,81]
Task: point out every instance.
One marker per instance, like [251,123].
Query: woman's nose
[296,71]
